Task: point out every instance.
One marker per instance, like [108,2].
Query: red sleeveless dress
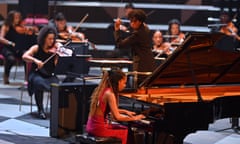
[98,125]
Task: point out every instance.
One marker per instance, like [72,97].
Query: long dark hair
[114,77]
[171,22]
[110,79]
[10,17]
[43,34]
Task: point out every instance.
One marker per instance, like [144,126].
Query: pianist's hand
[139,117]
[130,113]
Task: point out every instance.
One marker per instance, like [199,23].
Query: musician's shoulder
[34,47]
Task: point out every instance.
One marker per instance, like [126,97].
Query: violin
[74,36]
[60,50]
[230,29]
[24,29]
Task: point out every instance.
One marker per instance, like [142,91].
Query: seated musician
[160,47]
[176,37]
[65,31]
[44,59]
[16,38]
[104,100]
[228,27]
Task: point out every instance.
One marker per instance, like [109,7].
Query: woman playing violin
[175,31]
[42,71]
[65,31]
[16,38]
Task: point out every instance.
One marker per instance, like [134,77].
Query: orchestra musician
[139,41]
[16,37]
[159,45]
[174,31]
[174,35]
[65,31]
[228,27]
[104,100]
[41,74]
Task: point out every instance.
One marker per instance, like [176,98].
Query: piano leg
[235,124]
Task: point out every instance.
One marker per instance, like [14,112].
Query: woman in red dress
[104,101]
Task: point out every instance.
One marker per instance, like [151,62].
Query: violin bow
[44,62]
[82,20]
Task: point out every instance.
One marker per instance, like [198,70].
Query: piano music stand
[113,63]
[135,77]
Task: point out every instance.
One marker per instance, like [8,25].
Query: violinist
[175,36]
[42,71]
[159,45]
[16,38]
[65,31]
[228,27]
[174,30]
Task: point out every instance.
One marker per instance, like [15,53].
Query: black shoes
[42,115]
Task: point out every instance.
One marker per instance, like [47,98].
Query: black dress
[40,80]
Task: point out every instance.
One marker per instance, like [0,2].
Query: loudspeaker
[69,107]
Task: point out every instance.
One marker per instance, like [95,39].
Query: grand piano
[196,85]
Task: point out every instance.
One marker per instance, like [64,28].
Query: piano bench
[87,139]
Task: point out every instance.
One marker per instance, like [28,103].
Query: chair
[18,62]
[24,87]
[2,58]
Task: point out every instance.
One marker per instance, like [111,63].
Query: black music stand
[74,64]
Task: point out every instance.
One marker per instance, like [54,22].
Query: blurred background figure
[16,38]
[65,31]
[160,47]
[174,35]
[174,30]
[228,27]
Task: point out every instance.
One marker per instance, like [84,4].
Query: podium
[69,107]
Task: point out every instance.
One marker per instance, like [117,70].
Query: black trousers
[37,85]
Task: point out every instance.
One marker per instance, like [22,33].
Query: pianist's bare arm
[111,100]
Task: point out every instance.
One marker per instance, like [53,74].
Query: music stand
[74,64]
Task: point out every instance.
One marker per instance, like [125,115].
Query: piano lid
[203,58]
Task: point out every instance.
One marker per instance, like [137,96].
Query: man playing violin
[44,59]
[65,31]
[16,38]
